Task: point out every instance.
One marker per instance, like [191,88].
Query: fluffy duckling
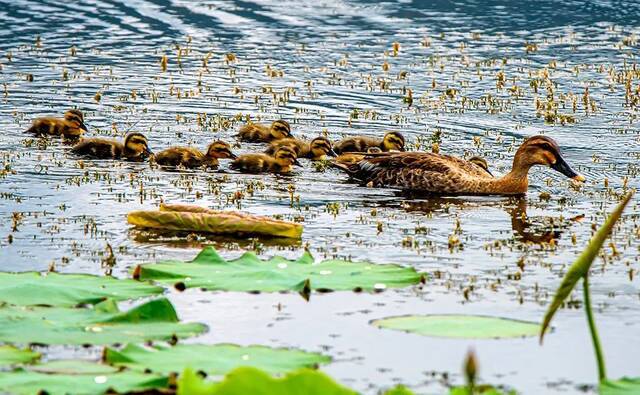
[355,157]
[480,162]
[71,126]
[192,157]
[427,172]
[392,141]
[281,162]
[316,149]
[257,133]
[134,148]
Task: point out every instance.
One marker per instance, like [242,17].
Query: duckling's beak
[147,151]
[83,127]
[297,163]
[564,168]
[232,155]
[332,153]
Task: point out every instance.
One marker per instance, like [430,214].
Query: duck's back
[99,148]
[356,144]
[301,147]
[253,132]
[181,156]
[420,171]
[252,163]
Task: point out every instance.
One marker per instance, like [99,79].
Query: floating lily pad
[243,381]
[214,360]
[67,290]
[460,326]
[10,355]
[77,377]
[103,324]
[248,273]
[623,386]
[479,390]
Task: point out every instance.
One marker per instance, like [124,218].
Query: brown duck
[257,133]
[316,149]
[133,148]
[443,174]
[190,157]
[281,162]
[392,141]
[71,126]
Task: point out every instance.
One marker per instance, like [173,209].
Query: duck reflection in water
[537,230]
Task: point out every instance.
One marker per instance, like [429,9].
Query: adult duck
[444,174]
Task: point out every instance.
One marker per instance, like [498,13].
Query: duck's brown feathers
[356,144]
[184,156]
[99,148]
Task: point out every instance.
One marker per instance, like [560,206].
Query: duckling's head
[393,141]
[374,150]
[321,147]
[543,150]
[75,117]
[135,145]
[480,162]
[280,129]
[286,156]
[220,150]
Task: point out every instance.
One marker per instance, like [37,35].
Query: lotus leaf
[103,324]
[248,273]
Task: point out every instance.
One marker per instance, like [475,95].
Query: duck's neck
[515,182]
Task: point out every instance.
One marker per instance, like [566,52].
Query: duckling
[71,126]
[317,149]
[355,157]
[134,148]
[256,133]
[481,162]
[191,157]
[392,141]
[280,162]
[444,174]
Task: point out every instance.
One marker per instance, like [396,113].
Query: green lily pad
[623,386]
[245,380]
[479,390]
[77,377]
[10,355]
[68,290]
[460,326]
[214,360]
[248,273]
[103,324]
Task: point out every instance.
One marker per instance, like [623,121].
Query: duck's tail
[348,168]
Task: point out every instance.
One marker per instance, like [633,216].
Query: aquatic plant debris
[199,219]
[101,325]
[460,326]
[580,268]
[249,273]
[68,290]
[78,377]
[216,359]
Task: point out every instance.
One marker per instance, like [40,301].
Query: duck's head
[286,156]
[136,145]
[220,150]
[75,117]
[321,147]
[280,129]
[393,141]
[543,150]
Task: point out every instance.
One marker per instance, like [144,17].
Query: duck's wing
[422,171]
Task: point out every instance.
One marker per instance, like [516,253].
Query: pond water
[483,75]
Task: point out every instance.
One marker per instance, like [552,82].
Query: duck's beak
[83,127]
[147,151]
[564,168]
[332,153]
[297,163]
[232,155]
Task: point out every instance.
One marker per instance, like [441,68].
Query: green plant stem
[602,373]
